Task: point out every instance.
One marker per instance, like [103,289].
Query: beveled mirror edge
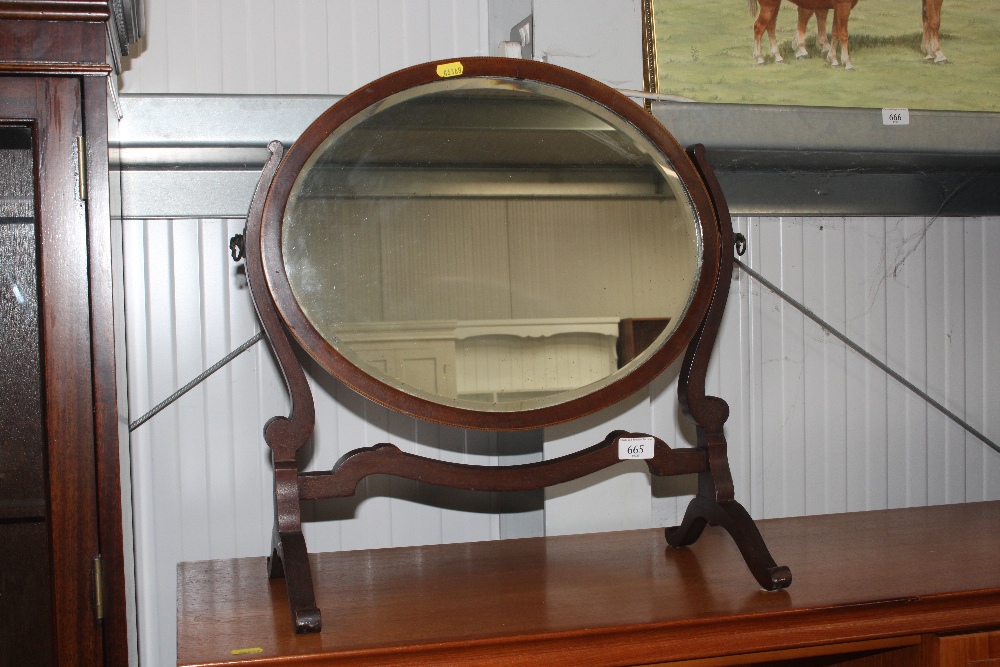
[327,356]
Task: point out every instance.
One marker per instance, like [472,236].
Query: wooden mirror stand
[714,503]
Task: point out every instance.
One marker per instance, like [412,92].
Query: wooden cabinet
[979,649]
[49,519]
[62,590]
[913,587]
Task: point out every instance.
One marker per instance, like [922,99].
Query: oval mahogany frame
[373,388]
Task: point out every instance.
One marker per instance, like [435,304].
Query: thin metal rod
[195,382]
[857,348]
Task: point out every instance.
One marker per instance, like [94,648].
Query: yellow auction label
[246,651]
[450,69]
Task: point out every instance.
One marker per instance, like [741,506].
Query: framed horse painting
[915,54]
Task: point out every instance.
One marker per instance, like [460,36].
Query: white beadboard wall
[296,46]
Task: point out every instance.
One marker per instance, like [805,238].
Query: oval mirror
[501,244]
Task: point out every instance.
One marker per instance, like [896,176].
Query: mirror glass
[491,243]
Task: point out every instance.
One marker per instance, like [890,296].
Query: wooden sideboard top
[607,598]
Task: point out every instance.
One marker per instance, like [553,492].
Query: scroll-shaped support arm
[715,503]
[284,435]
[389,459]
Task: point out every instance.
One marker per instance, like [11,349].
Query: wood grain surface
[611,598]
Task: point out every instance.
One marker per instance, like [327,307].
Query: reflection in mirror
[490,243]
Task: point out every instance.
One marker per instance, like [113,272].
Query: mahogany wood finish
[389,459]
[284,435]
[53,74]
[56,10]
[884,583]
[715,502]
[107,401]
[980,649]
[53,44]
[281,314]
[55,109]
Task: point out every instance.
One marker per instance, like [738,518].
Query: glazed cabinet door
[48,485]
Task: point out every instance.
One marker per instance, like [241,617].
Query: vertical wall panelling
[937,364]
[598,38]
[834,278]
[875,381]
[896,356]
[990,306]
[769,251]
[973,349]
[790,358]
[908,259]
[813,371]
[201,479]
[911,296]
[362,63]
[297,46]
[264,32]
[954,342]
[234,56]
[750,227]
[208,47]
[857,297]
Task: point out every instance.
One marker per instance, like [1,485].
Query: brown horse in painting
[931,44]
[822,43]
[767,19]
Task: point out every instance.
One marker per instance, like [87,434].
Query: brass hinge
[98,588]
[81,158]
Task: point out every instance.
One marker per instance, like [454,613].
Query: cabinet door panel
[25,615]
[51,109]
[979,649]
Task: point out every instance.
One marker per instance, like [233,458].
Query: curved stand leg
[290,560]
[275,568]
[730,515]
